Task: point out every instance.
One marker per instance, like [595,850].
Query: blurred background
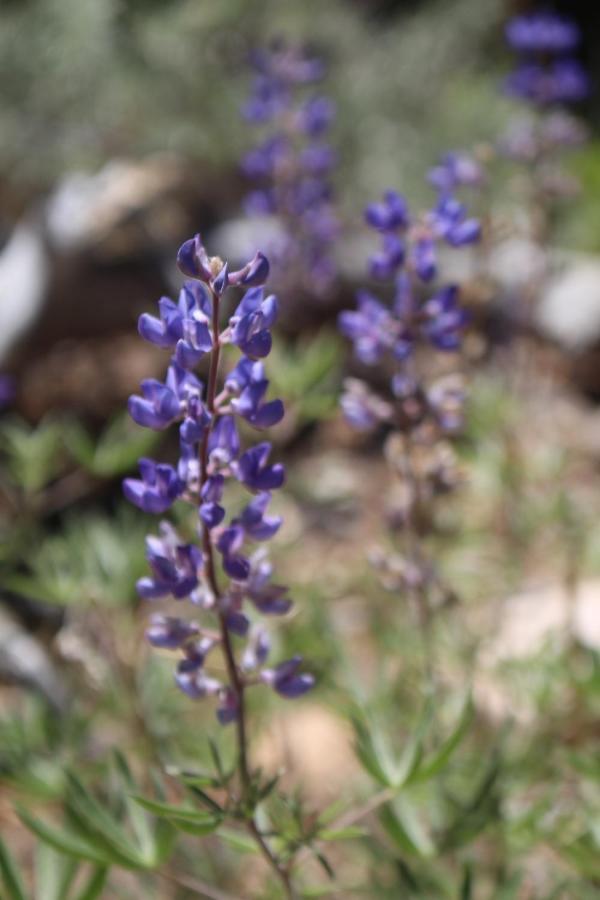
[120,136]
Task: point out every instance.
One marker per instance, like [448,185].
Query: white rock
[569,311]
[24,271]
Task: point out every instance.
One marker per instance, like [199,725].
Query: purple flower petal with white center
[169,632]
[286,679]
[224,441]
[228,708]
[197,684]
[257,649]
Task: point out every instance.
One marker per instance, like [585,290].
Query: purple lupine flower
[381,331]
[157,489]
[389,215]
[254,472]
[224,441]
[8,389]
[157,408]
[455,170]
[251,322]
[170,632]
[267,597]
[174,565]
[211,513]
[547,72]
[211,454]
[292,165]
[542,32]
[370,327]
[249,383]
[417,415]
[287,680]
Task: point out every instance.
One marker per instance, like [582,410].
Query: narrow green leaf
[342,834]
[94,886]
[103,828]
[372,753]
[64,841]
[466,888]
[10,875]
[436,762]
[326,865]
[54,873]
[241,842]
[402,825]
[171,811]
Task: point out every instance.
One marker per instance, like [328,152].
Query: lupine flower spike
[419,413]
[220,575]
[292,164]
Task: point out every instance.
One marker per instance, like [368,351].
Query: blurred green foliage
[127,78]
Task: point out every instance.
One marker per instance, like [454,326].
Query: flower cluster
[547,71]
[547,78]
[292,164]
[211,455]
[419,413]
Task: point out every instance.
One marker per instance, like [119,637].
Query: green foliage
[306,373]
[33,456]
[94,559]
[113,833]
[115,451]
[57,877]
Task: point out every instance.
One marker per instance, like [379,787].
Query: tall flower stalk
[291,166]
[547,80]
[217,574]
[418,411]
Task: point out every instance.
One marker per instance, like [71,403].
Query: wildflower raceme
[291,165]
[419,412]
[225,575]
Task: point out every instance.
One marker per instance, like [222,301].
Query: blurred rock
[86,210]
[25,661]
[24,275]
[569,311]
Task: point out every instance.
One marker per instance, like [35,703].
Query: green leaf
[192,821]
[116,450]
[239,841]
[402,824]
[437,761]
[94,886]
[342,834]
[54,873]
[102,828]
[65,841]
[10,875]
[373,753]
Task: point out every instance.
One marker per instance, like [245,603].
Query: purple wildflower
[211,454]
